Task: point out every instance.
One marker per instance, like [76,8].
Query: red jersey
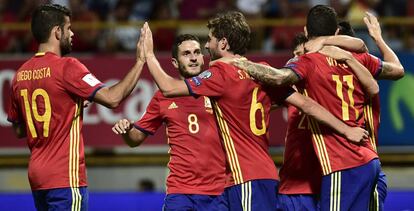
[372,119]
[47,96]
[242,108]
[197,160]
[300,172]
[334,85]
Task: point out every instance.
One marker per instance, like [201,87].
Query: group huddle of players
[217,120]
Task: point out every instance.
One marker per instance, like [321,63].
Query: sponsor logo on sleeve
[196,80]
[90,79]
[294,59]
[205,74]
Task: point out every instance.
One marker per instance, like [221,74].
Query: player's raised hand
[335,53]
[140,47]
[356,134]
[122,127]
[148,42]
[373,26]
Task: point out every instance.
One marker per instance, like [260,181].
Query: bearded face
[65,44]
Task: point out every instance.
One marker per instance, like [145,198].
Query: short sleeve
[300,65]
[79,81]
[372,63]
[152,119]
[13,114]
[210,83]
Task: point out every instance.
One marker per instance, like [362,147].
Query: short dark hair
[299,40]
[232,26]
[345,28]
[45,17]
[180,39]
[321,21]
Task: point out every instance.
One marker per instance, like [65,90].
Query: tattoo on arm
[270,76]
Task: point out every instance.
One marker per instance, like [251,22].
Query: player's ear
[305,30]
[57,32]
[224,45]
[174,62]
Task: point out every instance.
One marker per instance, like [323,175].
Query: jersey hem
[215,193]
[352,166]
[56,187]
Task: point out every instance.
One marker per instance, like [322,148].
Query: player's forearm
[364,76]
[169,86]
[111,97]
[318,112]
[124,88]
[268,75]
[347,42]
[387,52]
[392,68]
[134,137]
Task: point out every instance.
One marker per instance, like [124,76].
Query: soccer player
[242,107]
[197,160]
[48,93]
[331,83]
[300,175]
[372,108]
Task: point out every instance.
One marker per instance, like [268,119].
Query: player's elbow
[133,144]
[400,72]
[168,93]
[111,103]
[108,98]
[373,90]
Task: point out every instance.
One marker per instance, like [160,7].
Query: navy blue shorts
[61,199]
[178,202]
[254,195]
[379,194]
[294,202]
[350,189]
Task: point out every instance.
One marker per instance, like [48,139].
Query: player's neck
[46,47]
[228,54]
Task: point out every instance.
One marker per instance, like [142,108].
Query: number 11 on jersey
[348,79]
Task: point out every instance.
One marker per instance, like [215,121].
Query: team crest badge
[207,105]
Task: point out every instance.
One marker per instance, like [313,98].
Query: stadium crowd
[111,14]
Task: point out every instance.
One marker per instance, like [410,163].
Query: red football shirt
[300,172]
[47,96]
[372,119]
[242,109]
[333,85]
[197,160]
